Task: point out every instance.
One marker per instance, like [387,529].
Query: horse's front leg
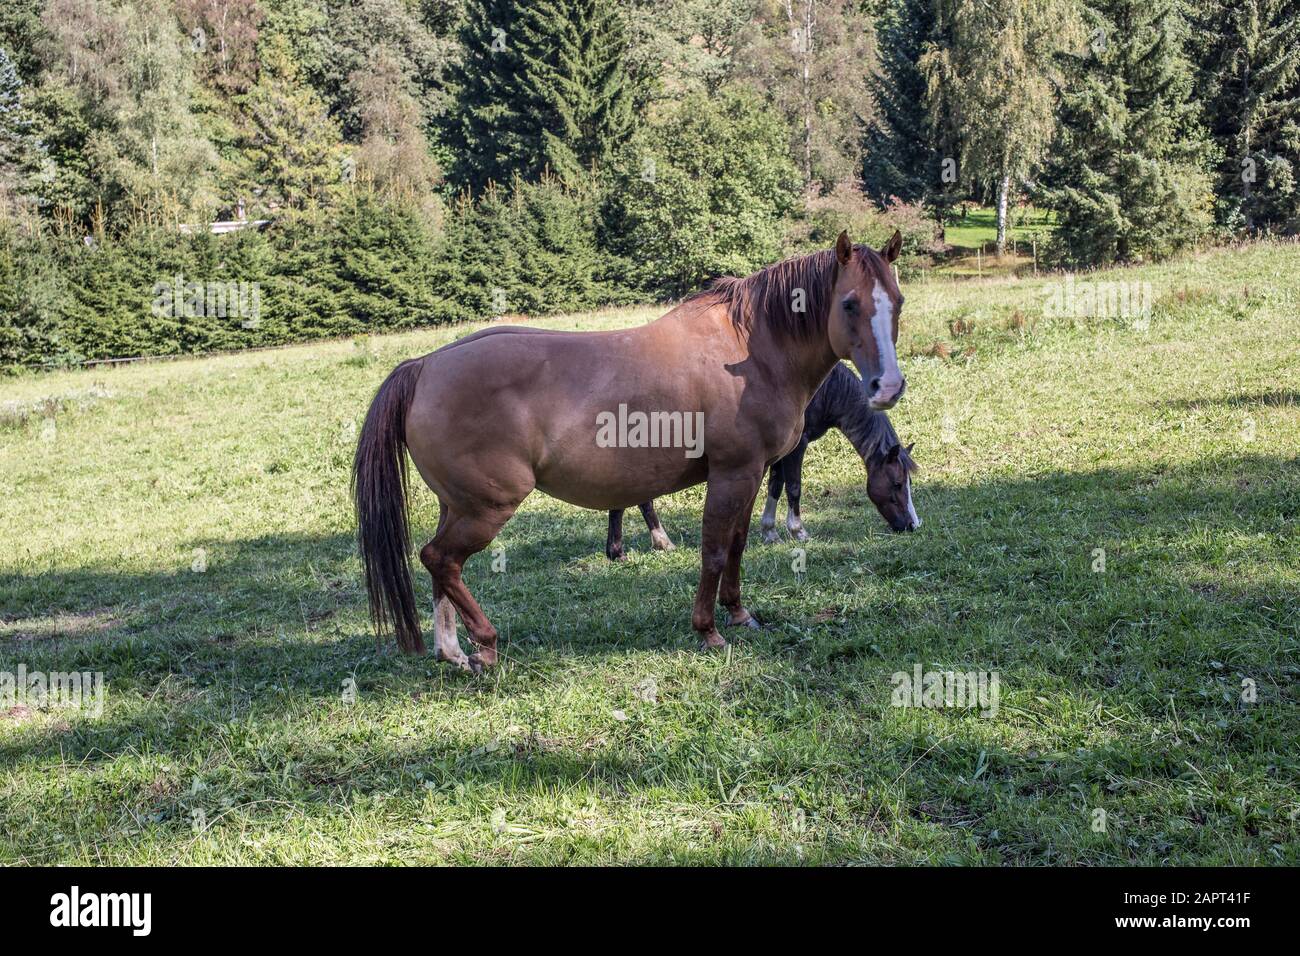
[794,491]
[728,501]
[729,593]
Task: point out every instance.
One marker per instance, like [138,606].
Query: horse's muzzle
[884,393]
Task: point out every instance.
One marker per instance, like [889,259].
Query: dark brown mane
[769,293]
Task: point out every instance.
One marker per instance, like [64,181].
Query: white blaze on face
[911,509]
[882,326]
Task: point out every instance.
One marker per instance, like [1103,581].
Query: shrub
[845,206]
[33,295]
[703,193]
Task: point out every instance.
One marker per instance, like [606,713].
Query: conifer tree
[293,147]
[911,144]
[1249,51]
[1128,175]
[22,36]
[22,156]
[898,157]
[543,85]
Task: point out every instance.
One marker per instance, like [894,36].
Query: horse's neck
[857,437]
[798,365]
[823,411]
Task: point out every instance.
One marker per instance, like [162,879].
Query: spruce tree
[543,85]
[22,157]
[1249,51]
[899,158]
[292,147]
[23,36]
[1128,176]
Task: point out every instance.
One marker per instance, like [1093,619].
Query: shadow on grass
[1040,530]
[1278,398]
[1002,577]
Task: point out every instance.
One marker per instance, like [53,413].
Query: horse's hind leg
[614,539]
[459,537]
[446,645]
[658,536]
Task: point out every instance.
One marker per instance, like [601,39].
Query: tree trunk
[1004,187]
[801,44]
[1246,180]
[809,22]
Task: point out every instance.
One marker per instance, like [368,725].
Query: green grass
[230,734]
[979,229]
[973,240]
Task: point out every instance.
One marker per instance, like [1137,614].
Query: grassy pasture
[973,240]
[979,228]
[184,527]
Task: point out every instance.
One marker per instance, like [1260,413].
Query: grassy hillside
[184,527]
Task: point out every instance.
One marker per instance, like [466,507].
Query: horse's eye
[850,306]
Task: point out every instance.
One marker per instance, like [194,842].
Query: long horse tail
[379,487]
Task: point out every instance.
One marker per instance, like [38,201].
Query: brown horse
[716,391]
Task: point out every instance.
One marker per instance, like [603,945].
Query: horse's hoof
[462,663]
[713,641]
[800,534]
[770,536]
[750,622]
[481,661]
[616,555]
[661,541]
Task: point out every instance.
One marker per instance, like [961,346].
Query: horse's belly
[607,478]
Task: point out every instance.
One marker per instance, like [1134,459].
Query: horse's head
[863,322]
[889,485]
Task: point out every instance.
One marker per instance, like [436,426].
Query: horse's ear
[843,248]
[893,247]
[909,448]
[892,454]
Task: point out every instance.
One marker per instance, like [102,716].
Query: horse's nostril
[874,385]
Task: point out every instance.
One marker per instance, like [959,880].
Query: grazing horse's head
[889,485]
[863,318]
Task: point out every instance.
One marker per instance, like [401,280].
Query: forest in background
[415,162]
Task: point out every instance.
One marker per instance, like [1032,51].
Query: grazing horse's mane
[769,293]
[876,432]
[841,402]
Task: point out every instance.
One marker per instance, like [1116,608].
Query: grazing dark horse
[839,403]
[722,380]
